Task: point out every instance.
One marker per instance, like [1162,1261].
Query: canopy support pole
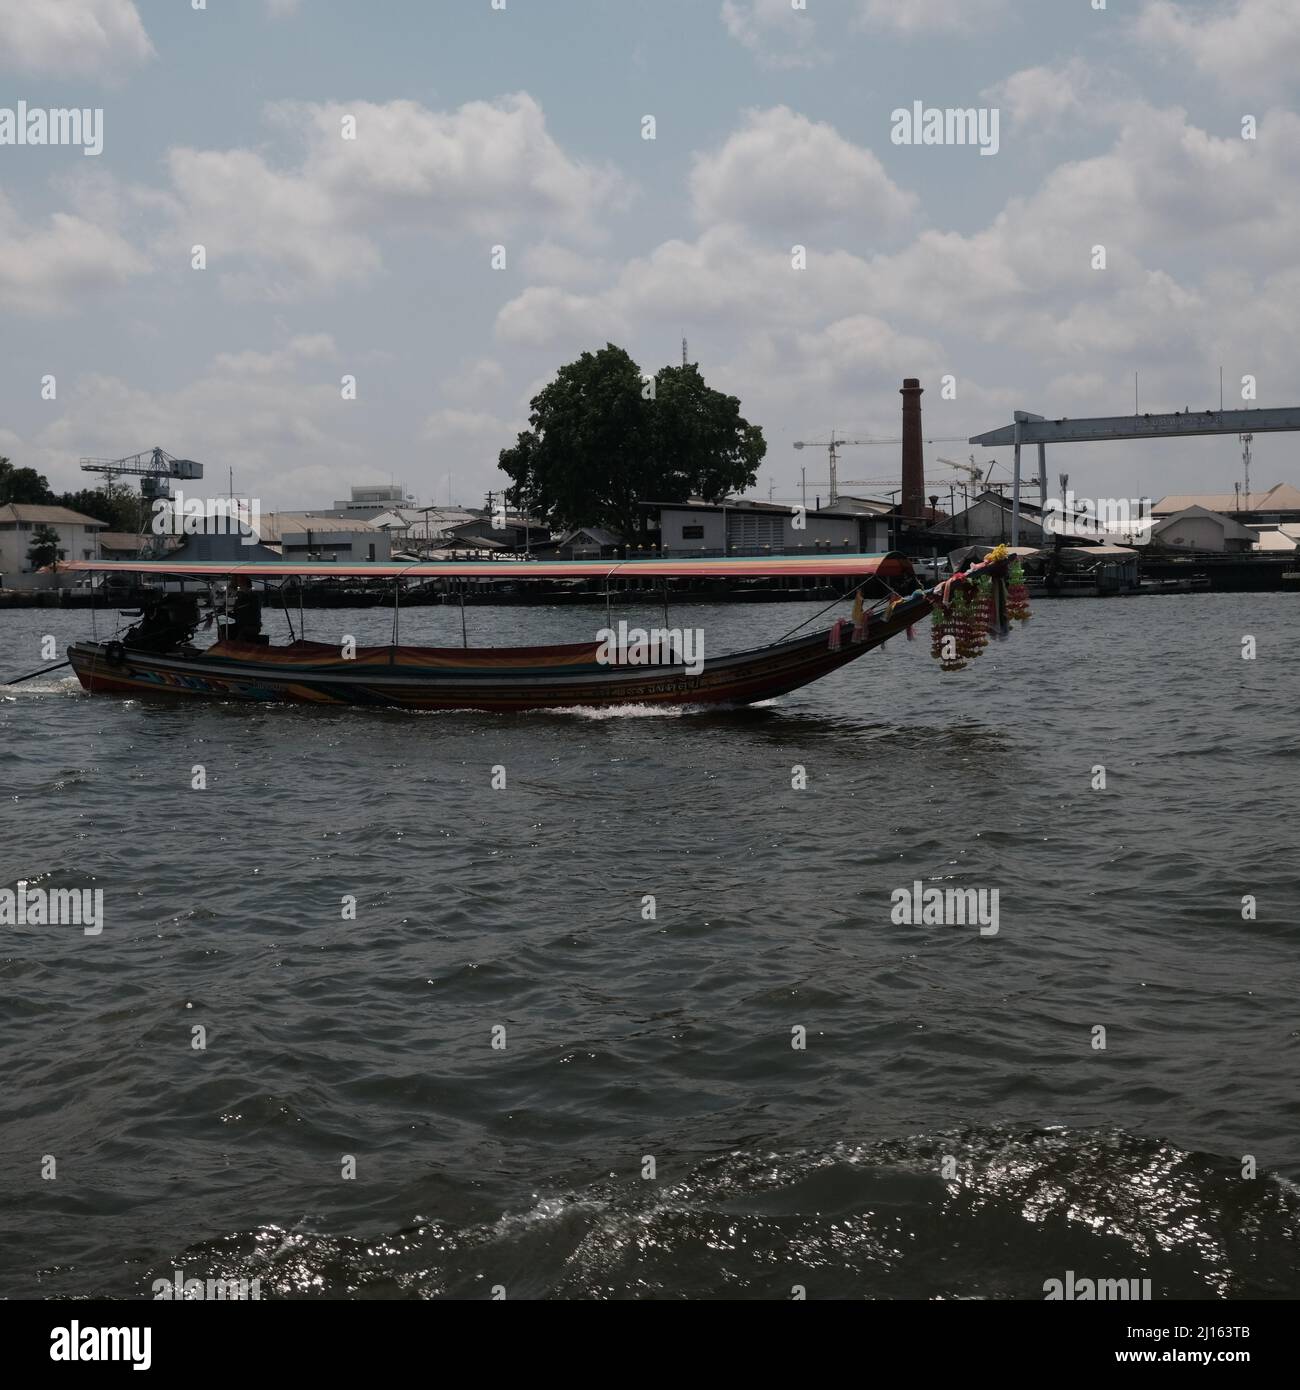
[464,634]
[284,603]
[397,600]
[1015,491]
[302,622]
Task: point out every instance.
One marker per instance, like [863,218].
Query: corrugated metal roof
[1281,497]
[46,516]
[598,534]
[273,525]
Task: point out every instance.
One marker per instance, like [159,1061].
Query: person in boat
[167,621]
[246,613]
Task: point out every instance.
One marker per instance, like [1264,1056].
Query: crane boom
[832,447]
[154,467]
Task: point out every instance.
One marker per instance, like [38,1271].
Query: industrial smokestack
[913,504]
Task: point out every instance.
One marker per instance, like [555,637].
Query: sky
[521,125]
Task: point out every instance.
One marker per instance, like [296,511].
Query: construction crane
[832,447]
[154,467]
[974,472]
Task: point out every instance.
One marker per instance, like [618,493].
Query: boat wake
[67,685]
[849,1221]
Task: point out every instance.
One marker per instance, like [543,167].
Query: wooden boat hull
[498,679]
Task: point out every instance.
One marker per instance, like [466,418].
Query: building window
[692,533]
[371,556]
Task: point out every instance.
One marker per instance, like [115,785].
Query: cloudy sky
[521,126]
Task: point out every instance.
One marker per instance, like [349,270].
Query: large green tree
[23,485]
[603,439]
[114,503]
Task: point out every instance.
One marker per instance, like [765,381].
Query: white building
[19,522]
[855,525]
[309,536]
[367,502]
[1198,528]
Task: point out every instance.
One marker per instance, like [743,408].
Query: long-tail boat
[163,661]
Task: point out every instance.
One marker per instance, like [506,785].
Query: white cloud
[481,379]
[776,33]
[562,265]
[485,170]
[543,315]
[1175,207]
[52,268]
[466,445]
[307,347]
[72,38]
[725,280]
[783,172]
[1043,99]
[1251,49]
[1165,188]
[933,16]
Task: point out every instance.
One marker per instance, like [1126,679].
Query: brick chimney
[913,501]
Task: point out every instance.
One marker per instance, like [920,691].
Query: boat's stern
[101,667]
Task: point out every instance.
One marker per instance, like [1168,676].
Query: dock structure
[1027,428]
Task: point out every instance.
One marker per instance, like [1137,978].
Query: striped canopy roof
[733,566]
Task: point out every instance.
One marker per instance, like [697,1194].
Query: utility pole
[1245,459]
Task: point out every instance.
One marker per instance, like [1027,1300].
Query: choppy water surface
[670,1039]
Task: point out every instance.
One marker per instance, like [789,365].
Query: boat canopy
[891,564]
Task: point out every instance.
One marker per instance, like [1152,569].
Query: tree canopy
[23,485]
[604,437]
[114,503]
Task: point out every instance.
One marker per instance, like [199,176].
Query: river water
[951,1125]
